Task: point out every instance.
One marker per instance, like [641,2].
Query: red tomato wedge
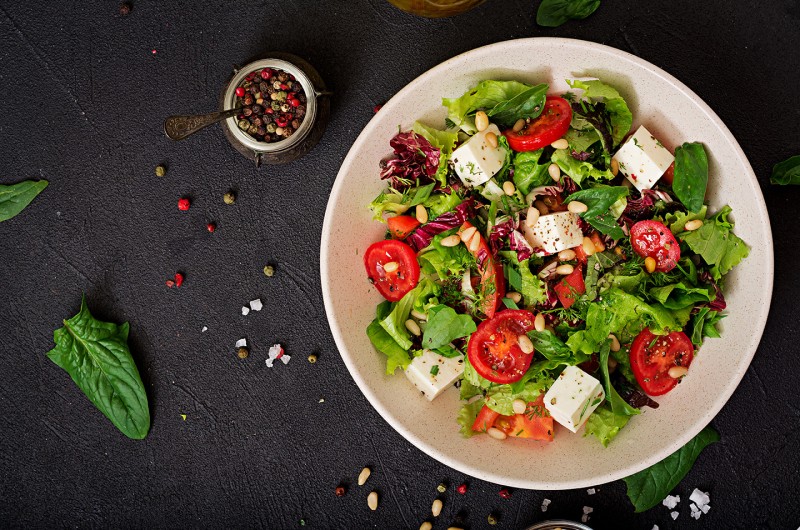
[493,349]
[392,268]
[570,287]
[493,284]
[551,125]
[652,356]
[654,240]
[485,419]
[669,174]
[400,226]
[535,424]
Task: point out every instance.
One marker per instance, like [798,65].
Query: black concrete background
[83,94]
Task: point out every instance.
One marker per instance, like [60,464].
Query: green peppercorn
[275,105]
[161,170]
[441,488]
[269,271]
[229,198]
[281,96]
[244,124]
[271,127]
[491,519]
[312,358]
[242,352]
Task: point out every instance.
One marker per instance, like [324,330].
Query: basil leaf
[786,172]
[15,197]
[527,104]
[553,13]
[691,175]
[551,347]
[96,355]
[444,326]
[649,486]
[599,199]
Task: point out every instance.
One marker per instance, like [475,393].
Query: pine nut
[542,207]
[614,167]
[509,188]
[532,217]
[481,121]
[561,143]
[519,406]
[372,501]
[450,241]
[538,323]
[554,171]
[413,327]
[418,315]
[514,296]
[436,507]
[467,234]
[650,264]
[518,125]
[491,139]
[475,242]
[615,345]
[525,344]
[577,207]
[422,214]
[566,255]
[391,266]
[676,372]
[694,224]
[495,433]
[363,476]
[588,246]
[564,269]
[425,526]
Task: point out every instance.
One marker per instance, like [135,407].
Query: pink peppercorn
[183,204]
[504,493]
[240,91]
[294,102]
[462,489]
[266,73]
[178,279]
[170,284]
[211,227]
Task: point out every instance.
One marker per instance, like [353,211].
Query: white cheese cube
[643,160]
[554,232]
[475,161]
[573,397]
[432,384]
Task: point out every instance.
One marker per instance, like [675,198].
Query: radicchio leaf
[718,304]
[422,236]
[635,397]
[414,158]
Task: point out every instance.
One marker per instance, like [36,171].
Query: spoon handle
[179,127]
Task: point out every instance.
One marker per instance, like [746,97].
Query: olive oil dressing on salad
[552,263]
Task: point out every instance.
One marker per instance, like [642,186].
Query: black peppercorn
[258,122]
[264,87]
[247,111]
[283,77]
[296,123]
[248,100]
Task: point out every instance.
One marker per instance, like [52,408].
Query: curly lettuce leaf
[577,170]
[529,173]
[616,109]
[716,243]
[504,101]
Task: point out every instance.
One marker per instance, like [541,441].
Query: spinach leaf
[578,170]
[691,175]
[96,356]
[529,173]
[15,197]
[786,172]
[444,326]
[599,199]
[649,486]
[717,244]
[551,347]
[704,324]
[489,95]
[553,13]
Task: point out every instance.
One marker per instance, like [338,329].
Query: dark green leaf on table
[15,197]
[96,355]
[691,175]
[553,13]
[787,172]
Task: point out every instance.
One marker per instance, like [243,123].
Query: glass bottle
[436,8]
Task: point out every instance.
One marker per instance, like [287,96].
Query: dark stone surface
[84,92]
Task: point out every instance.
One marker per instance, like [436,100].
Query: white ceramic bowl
[672,112]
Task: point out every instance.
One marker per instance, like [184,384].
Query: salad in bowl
[556,265]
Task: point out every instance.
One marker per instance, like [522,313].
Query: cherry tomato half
[400,226]
[653,239]
[535,423]
[653,355]
[485,419]
[551,125]
[403,273]
[493,349]
[493,284]
[570,287]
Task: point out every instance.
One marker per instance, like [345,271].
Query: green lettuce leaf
[440,203]
[529,173]
[445,141]
[717,244]
[676,221]
[604,424]
[467,416]
[679,295]
[500,397]
[394,202]
[704,324]
[504,101]
[577,170]
[616,109]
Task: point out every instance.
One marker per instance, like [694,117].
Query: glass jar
[436,8]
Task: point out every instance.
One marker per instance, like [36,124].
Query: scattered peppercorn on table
[214,264]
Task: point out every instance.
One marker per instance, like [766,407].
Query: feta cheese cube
[475,161]
[573,397]
[642,159]
[554,232]
[432,373]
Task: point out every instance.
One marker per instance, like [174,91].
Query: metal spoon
[179,127]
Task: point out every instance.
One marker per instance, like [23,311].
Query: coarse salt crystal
[591,491]
[276,352]
[245,310]
[546,503]
[693,507]
[671,501]
[588,509]
[256,304]
[674,515]
[241,343]
[699,498]
[205,328]
[655,527]
[584,518]
[285,359]
[705,508]
[696,515]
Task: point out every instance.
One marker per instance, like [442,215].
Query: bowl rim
[703,418]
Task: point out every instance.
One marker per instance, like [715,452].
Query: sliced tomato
[570,287]
[400,226]
[551,125]
[535,424]
[493,349]
[399,280]
[485,419]
[493,284]
[654,240]
[669,174]
[653,355]
[580,254]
